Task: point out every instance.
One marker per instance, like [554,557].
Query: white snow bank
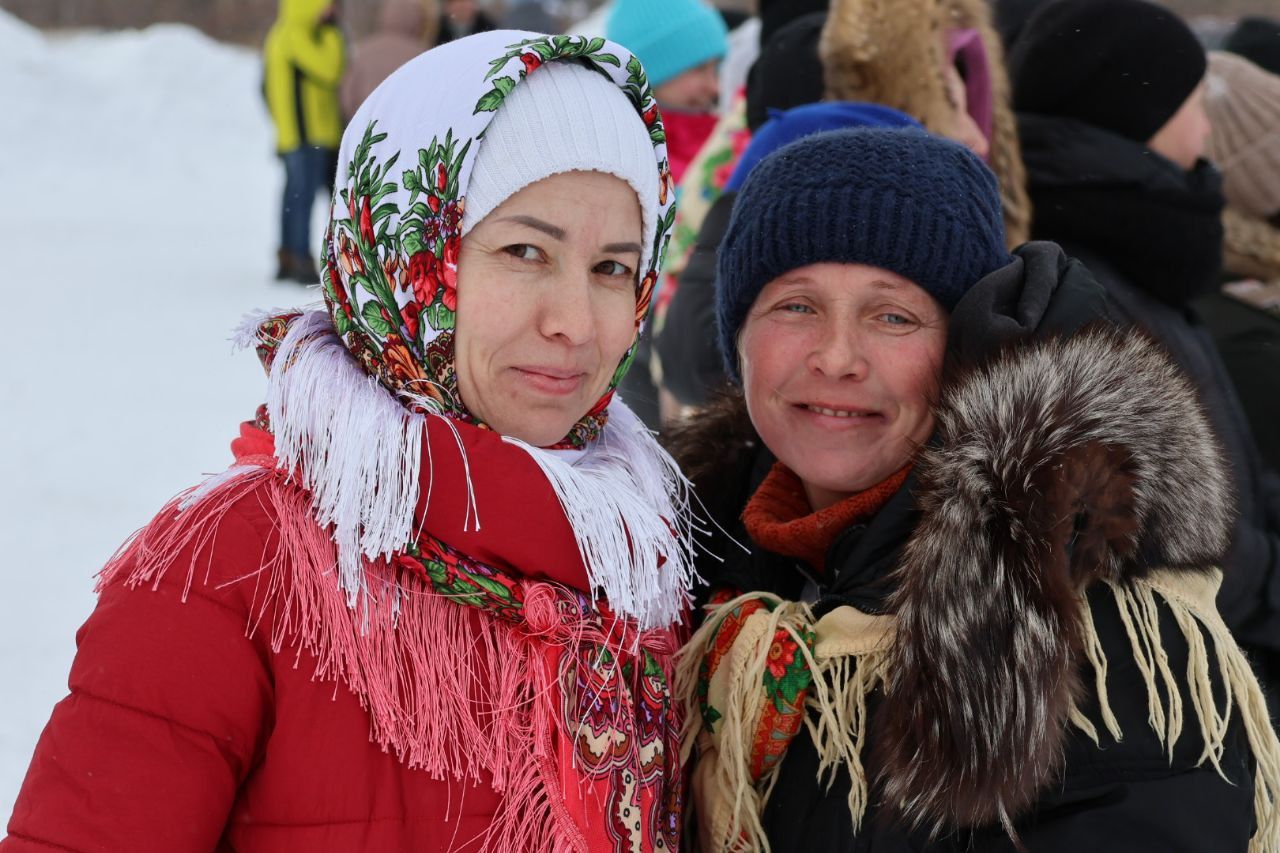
[138,223]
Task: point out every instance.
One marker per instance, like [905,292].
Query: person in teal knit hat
[681,43]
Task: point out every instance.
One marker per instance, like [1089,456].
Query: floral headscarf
[391,249]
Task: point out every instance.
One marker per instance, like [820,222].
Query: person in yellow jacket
[304,56]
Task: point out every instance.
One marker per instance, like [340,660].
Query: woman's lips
[836,415]
[556,381]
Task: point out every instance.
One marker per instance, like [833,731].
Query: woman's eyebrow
[555,232]
[885,284]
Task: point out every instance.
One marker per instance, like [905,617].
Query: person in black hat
[1109,100]
[1257,40]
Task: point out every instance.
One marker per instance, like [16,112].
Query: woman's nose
[565,310]
[838,354]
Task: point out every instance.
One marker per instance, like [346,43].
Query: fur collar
[1057,462]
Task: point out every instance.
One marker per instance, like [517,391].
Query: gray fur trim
[1059,463]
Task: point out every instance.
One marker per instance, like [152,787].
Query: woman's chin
[836,475]
[540,425]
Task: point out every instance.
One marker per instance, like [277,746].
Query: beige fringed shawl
[849,657]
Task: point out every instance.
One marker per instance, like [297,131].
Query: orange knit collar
[778,516]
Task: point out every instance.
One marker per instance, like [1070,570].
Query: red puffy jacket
[184,731]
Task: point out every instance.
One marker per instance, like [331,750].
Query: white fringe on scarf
[358,451]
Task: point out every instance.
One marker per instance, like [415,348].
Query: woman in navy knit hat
[966,539]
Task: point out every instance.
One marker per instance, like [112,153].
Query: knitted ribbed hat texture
[1122,65]
[563,118]
[669,36]
[1243,103]
[900,199]
[786,126]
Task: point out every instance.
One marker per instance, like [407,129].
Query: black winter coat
[1127,795]
[1152,235]
[692,368]
[1248,339]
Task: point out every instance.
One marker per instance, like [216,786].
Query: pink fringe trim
[450,689]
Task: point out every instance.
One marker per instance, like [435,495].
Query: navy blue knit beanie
[900,199]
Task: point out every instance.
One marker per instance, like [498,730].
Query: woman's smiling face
[547,303]
[840,365]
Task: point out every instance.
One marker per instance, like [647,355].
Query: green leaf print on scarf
[534,52]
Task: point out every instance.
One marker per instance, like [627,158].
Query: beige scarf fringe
[1191,598]
[849,660]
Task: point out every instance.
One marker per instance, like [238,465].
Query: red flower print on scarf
[366,222]
[424,276]
[452,216]
[411,312]
[531,62]
[782,653]
[644,294]
[349,256]
[409,563]
[339,292]
[401,364]
[429,274]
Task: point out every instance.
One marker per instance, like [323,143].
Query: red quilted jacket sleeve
[168,710]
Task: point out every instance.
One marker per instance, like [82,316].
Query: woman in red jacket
[433,604]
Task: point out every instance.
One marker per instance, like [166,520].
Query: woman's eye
[523,251]
[895,319]
[613,268]
[795,308]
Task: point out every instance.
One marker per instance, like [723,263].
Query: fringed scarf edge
[848,654]
[760,641]
[358,452]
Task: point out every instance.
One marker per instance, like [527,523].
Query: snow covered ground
[138,198]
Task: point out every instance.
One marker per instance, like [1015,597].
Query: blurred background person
[304,56]
[681,43]
[404,29]
[1257,39]
[531,15]
[1110,101]
[461,18]
[787,75]
[1243,104]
